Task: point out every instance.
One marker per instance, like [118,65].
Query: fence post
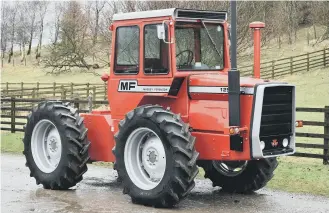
[33,93]
[54,89]
[90,104]
[7,87]
[38,89]
[71,90]
[22,89]
[308,61]
[12,113]
[63,95]
[87,90]
[325,140]
[94,93]
[291,67]
[273,69]
[76,103]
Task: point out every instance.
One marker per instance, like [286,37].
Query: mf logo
[275,142]
[127,85]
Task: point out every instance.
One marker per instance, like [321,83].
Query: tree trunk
[96,27]
[23,55]
[11,52]
[56,33]
[30,43]
[38,53]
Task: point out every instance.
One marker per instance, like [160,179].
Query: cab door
[140,66]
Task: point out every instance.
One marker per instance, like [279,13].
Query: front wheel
[240,176]
[155,156]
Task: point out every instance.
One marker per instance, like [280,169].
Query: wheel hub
[145,158]
[46,146]
[53,147]
[152,157]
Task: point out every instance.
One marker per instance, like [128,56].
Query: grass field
[292,175]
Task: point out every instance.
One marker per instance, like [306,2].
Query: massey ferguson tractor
[176,102]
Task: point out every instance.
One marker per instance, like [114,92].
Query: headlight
[262,145]
[285,142]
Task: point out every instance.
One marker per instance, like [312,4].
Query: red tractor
[176,102]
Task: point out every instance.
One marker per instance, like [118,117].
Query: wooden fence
[288,66]
[13,118]
[54,90]
[324,136]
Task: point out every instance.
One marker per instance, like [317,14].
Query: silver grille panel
[269,123]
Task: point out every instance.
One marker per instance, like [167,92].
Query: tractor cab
[170,42]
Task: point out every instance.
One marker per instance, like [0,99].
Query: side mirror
[161,31]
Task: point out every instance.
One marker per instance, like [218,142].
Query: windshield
[199,46]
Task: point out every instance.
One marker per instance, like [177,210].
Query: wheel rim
[145,158]
[46,146]
[230,168]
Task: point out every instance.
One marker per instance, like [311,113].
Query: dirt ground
[100,192]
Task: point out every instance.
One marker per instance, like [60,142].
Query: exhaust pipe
[234,75]
[256,26]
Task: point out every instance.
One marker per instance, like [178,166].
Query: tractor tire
[253,177]
[56,145]
[171,154]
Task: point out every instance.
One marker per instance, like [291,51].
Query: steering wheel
[190,57]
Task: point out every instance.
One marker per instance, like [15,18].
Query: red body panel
[100,134]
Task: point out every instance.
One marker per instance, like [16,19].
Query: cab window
[199,46]
[155,51]
[127,50]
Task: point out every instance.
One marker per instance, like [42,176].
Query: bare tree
[75,43]
[31,14]
[58,13]
[320,13]
[22,28]
[128,6]
[4,29]
[41,9]
[12,23]
[97,7]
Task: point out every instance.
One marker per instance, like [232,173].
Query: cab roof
[174,13]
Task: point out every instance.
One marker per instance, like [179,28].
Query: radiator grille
[276,119]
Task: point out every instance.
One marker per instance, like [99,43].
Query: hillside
[32,72]
[312,87]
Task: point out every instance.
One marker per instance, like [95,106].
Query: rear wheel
[240,176]
[155,156]
[56,145]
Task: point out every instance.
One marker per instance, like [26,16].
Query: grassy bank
[12,142]
[292,175]
[301,175]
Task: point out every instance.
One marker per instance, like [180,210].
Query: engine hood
[218,83]
[221,80]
